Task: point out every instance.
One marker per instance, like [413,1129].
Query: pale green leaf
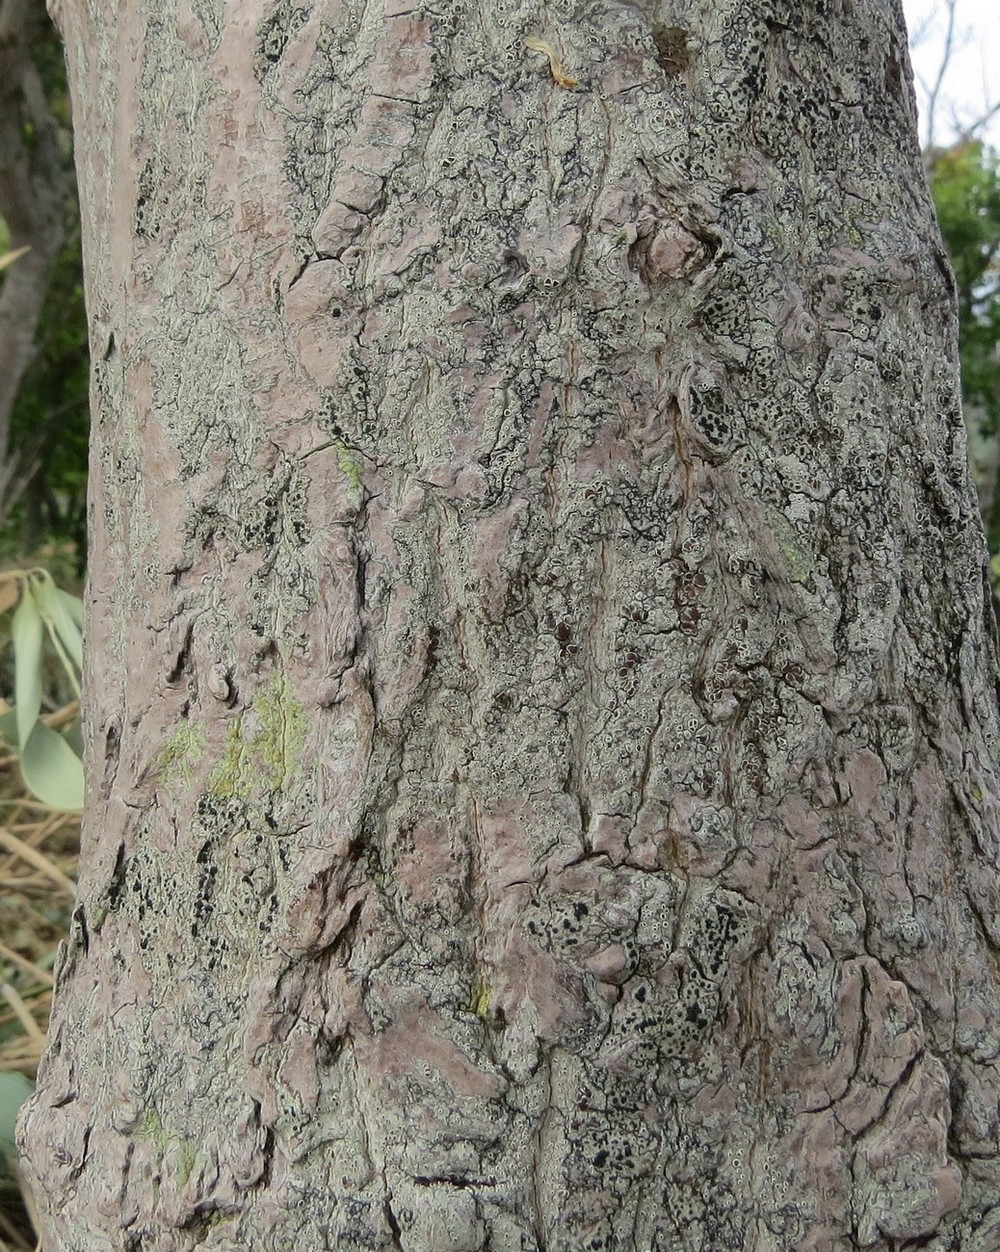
[27,632]
[74,606]
[65,633]
[51,769]
[73,734]
[14,1090]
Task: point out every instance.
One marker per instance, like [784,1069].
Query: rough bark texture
[543,718]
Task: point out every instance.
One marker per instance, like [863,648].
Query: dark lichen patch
[722,931]
[673,52]
[562,925]
[148,215]
[670,1021]
[616,1153]
[273,35]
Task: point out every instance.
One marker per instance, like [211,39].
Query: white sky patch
[971,83]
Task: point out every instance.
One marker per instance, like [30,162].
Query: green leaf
[73,734]
[51,769]
[14,1090]
[27,632]
[74,606]
[63,630]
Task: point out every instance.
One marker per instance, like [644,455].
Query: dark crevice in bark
[453,1180]
[182,660]
[394,1227]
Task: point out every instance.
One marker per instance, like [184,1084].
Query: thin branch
[25,966]
[26,853]
[946,55]
[21,1012]
[971,129]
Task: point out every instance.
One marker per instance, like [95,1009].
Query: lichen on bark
[565,551]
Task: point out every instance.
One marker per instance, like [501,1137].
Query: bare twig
[40,862]
[25,966]
[972,129]
[946,55]
[22,1012]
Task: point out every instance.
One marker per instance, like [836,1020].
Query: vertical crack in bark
[540,1150]
[394,1228]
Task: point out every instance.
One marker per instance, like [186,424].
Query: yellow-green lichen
[187,1156]
[181,753]
[151,1128]
[210,1221]
[182,1152]
[282,732]
[270,752]
[350,464]
[797,559]
[224,779]
[479,1000]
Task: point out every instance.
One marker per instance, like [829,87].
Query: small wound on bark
[556,67]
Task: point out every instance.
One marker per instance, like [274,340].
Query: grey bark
[542,690]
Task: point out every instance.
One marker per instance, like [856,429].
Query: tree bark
[542,719]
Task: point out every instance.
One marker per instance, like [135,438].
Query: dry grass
[37,866]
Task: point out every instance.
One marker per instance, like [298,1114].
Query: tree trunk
[542,700]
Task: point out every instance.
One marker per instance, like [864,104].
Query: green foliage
[966,185]
[45,617]
[50,420]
